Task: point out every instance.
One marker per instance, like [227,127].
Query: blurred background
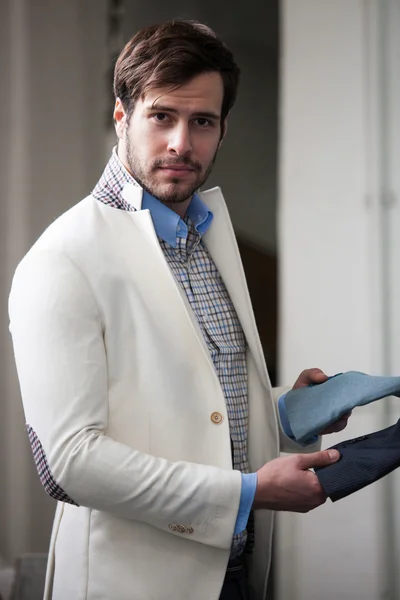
[311,173]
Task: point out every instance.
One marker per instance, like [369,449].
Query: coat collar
[133,194]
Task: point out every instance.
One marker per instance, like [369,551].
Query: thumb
[322,458]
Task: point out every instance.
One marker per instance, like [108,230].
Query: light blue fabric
[283,416]
[249,485]
[169,225]
[286,424]
[309,410]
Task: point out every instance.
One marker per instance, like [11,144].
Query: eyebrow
[164,108]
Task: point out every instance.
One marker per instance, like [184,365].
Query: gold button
[189,529]
[216,418]
[173,527]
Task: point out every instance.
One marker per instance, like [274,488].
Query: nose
[179,143]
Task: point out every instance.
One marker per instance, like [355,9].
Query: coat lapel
[159,267]
[221,242]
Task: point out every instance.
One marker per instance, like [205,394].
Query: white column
[334,291]
[390,35]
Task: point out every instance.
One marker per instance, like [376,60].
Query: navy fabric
[311,409]
[364,459]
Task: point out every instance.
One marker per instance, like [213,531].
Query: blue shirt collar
[169,225]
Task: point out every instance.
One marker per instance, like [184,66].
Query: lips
[177,170]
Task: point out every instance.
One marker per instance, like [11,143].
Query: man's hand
[287,484]
[310,376]
[317,376]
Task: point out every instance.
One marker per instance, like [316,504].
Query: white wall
[333,252]
[51,124]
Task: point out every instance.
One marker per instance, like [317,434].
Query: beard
[174,190]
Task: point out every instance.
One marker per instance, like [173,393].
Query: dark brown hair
[172,54]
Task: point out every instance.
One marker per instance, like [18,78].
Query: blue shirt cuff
[249,485]
[286,425]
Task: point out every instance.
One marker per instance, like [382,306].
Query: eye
[160,117]
[203,122]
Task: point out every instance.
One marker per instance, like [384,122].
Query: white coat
[118,385]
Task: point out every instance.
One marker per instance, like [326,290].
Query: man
[146,395]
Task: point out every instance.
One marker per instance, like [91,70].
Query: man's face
[170,142]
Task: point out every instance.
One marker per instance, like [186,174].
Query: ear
[119,116]
[224,129]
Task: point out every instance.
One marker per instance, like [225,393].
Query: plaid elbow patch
[42,466]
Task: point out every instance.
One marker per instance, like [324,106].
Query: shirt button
[180,529]
[216,418]
[189,529]
[173,527]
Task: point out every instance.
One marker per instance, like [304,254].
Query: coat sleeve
[57,333]
[287,444]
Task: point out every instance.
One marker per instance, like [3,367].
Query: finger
[338,425]
[310,376]
[346,415]
[318,459]
[317,376]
